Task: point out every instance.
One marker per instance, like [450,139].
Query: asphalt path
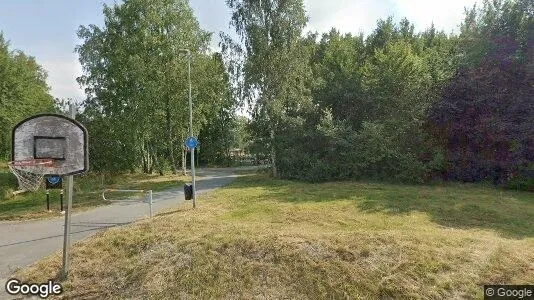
[23,243]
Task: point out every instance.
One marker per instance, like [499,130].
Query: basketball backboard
[55,137]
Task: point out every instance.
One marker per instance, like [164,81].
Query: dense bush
[485,119]
[419,107]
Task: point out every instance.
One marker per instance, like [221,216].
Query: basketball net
[30,173]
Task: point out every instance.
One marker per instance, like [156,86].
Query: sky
[47,29]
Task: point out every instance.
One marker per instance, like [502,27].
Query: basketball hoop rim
[31,162]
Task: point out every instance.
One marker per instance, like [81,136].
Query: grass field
[87,193]
[266,238]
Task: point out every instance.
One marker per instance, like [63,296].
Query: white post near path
[66,236]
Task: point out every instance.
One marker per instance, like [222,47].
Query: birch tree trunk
[274,170]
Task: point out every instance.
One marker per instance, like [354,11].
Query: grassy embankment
[265,238]
[87,193]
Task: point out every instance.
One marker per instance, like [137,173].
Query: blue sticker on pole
[53,182]
[54,179]
[191,142]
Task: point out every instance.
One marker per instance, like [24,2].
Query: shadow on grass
[511,213]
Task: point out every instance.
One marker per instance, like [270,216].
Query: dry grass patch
[262,238]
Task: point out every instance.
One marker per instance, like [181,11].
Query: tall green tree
[23,92]
[485,119]
[218,119]
[370,103]
[337,63]
[136,81]
[275,69]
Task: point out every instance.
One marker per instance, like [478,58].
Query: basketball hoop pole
[50,145]
[66,237]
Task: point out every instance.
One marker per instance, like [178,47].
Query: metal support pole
[148,197]
[191,128]
[48,200]
[66,237]
[150,202]
[61,199]
[191,123]
[198,154]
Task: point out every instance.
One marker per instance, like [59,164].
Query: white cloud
[361,16]
[446,15]
[62,74]
[346,15]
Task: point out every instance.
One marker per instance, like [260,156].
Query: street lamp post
[191,123]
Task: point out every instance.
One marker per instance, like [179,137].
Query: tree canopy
[396,104]
[23,92]
[485,118]
[135,77]
[275,70]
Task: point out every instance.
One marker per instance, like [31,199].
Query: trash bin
[188,191]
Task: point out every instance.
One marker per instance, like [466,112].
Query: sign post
[191,138]
[191,142]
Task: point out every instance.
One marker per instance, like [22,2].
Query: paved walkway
[23,243]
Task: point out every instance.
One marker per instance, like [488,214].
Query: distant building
[236,152]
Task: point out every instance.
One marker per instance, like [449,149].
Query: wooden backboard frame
[55,127]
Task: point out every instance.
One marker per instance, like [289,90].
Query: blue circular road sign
[54,179]
[191,142]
